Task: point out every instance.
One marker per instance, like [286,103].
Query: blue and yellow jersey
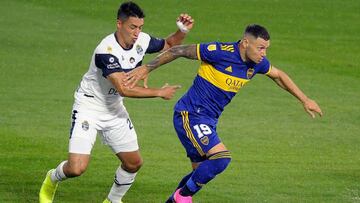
[221,75]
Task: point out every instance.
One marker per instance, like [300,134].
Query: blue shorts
[196,133]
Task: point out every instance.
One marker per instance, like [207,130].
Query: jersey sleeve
[155,45]
[264,66]
[108,63]
[208,52]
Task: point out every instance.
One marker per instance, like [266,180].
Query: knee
[222,164]
[214,165]
[132,166]
[73,170]
[220,161]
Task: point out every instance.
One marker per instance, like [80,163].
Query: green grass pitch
[279,153]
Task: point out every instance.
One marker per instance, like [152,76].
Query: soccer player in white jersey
[98,106]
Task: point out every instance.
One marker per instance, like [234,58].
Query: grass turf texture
[279,153]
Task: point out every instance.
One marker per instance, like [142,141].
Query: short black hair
[257,31]
[129,9]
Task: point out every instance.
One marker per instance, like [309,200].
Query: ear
[246,42]
[119,23]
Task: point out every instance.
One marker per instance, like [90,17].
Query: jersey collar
[117,40]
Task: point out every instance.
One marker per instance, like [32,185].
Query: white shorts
[115,128]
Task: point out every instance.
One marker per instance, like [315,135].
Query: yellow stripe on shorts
[189,134]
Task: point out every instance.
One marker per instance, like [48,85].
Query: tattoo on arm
[279,83]
[187,51]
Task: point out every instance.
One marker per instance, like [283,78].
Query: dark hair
[257,31]
[129,9]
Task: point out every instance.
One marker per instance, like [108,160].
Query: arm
[187,51]
[285,82]
[176,38]
[166,92]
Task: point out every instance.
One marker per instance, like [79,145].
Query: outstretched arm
[185,23]
[166,92]
[285,82]
[187,51]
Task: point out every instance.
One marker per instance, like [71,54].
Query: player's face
[256,49]
[129,30]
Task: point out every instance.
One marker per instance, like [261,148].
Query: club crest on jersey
[205,140]
[139,49]
[131,60]
[85,125]
[250,73]
[111,59]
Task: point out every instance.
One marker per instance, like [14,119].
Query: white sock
[58,174]
[121,185]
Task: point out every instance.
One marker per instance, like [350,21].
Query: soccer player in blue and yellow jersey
[225,68]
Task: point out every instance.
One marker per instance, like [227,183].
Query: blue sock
[184,180]
[181,184]
[207,170]
[190,188]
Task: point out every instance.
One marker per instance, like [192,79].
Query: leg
[218,159]
[130,161]
[76,165]
[123,142]
[183,130]
[73,167]
[183,181]
[125,174]
[195,165]
[209,156]
[82,138]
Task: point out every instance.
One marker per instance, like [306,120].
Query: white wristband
[182,27]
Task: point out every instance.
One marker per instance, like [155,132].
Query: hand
[133,77]
[186,20]
[167,91]
[311,107]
